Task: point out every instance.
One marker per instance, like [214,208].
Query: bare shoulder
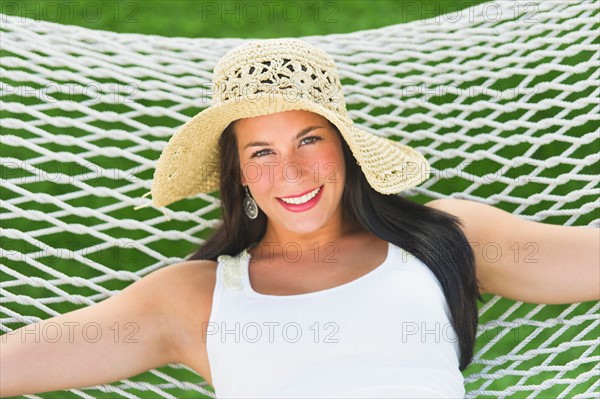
[464,210]
[484,226]
[475,218]
[193,284]
[468,212]
[451,205]
[473,214]
[189,287]
[189,273]
[185,282]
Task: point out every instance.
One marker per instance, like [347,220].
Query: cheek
[250,172]
[331,166]
[260,176]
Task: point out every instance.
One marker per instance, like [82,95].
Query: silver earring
[250,206]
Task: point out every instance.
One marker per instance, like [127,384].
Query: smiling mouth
[303,198]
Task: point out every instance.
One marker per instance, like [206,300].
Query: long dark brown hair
[431,235]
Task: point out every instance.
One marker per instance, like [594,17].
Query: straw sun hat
[263,77]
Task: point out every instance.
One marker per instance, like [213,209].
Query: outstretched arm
[119,337]
[529,261]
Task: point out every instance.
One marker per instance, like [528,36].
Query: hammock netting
[501,98]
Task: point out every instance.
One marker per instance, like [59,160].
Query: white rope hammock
[501,98]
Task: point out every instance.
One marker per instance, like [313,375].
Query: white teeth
[303,199]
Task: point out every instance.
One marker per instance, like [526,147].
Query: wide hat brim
[189,163]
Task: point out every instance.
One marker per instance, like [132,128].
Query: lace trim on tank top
[233,271]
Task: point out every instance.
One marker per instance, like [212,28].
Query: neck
[281,244]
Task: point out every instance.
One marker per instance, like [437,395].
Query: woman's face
[289,154]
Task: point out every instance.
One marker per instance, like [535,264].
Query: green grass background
[220,19]
[187,18]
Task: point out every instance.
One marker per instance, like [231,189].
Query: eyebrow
[303,132]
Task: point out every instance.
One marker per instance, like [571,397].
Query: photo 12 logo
[70,12]
[273,332]
[468,11]
[72,331]
[87,93]
[269,11]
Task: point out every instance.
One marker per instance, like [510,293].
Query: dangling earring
[250,206]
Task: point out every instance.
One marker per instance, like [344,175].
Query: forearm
[94,345]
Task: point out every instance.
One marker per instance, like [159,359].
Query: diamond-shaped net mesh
[502,100]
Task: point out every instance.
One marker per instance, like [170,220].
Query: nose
[295,168]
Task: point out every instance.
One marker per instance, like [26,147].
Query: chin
[303,224]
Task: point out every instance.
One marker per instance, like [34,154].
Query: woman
[319,283]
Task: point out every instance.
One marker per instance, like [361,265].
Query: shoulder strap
[231,267]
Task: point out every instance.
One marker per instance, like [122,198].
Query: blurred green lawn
[244,19]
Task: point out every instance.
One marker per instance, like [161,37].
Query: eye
[258,152]
[317,138]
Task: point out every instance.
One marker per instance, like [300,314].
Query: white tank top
[386,334]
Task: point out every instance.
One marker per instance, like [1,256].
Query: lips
[300,194]
[305,206]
